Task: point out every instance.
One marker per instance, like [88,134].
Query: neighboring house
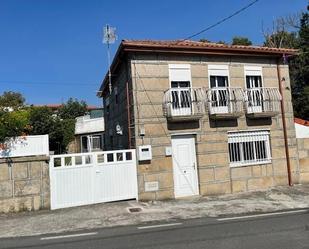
[301,128]
[89,132]
[205,118]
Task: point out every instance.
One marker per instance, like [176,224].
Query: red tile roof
[204,45]
[301,121]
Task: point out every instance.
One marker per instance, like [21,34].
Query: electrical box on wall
[144,153]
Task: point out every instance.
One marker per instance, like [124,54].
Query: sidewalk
[117,213]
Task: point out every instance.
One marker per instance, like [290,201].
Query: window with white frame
[90,143]
[246,148]
[219,83]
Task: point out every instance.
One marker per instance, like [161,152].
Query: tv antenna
[109,37]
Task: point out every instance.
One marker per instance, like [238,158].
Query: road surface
[280,230]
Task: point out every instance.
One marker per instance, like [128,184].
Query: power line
[222,20]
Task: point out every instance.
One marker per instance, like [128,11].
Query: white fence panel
[26,146]
[88,178]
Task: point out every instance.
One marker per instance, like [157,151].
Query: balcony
[225,102]
[181,104]
[262,102]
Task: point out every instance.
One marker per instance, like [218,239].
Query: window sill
[238,165]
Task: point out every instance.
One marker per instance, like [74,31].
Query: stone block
[280,167]
[280,180]
[216,188]
[256,171]
[260,183]
[16,205]
[302,154]
[20,170]
[239,186]
[241,172]
[147,196]
[217,159]
[306,143]
[36,202]
[151,177]
[4,172]
[304,177]
[222,173]
[27,187]
[165,194]
[35,170]
[166,180]
[206,175]
[304,164]
[278,153]
[6,189]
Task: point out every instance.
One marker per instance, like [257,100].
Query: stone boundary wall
[303,154]
[24,184]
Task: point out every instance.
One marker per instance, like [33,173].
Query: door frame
[196,184]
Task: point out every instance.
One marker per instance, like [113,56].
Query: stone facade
[303,153]
[24,184]
[148,78]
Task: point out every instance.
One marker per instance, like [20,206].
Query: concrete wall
[303,152]
[150,78]
[24,184]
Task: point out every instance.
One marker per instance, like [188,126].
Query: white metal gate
[88,178]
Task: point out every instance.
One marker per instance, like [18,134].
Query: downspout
[129,115]
[287,154]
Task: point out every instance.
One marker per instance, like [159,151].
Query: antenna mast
[109,38]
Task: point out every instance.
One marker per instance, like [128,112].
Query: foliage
[204,40]
[21,120]
[60,126]
[13,124]
[72,109]
[299,71]
[239,40]
[282,39]
[12,100]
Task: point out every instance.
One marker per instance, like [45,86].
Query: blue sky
[51,50]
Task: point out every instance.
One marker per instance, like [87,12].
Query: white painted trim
[184,134]
[197,190]
[186,67]
[218,70]
[179,66]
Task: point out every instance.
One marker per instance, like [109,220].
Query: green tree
[72,109]
[299,71]
[282,39]
[239,40]
[12,100]
[13,124]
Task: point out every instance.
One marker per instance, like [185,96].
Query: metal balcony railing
[225,102]
[183,103]
[263,101]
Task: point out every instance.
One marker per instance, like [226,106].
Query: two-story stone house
[218,118]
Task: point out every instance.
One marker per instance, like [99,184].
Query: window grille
[247,148]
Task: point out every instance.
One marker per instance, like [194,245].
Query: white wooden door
[184,166]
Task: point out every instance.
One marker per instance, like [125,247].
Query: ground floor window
[246,148]
[90,143]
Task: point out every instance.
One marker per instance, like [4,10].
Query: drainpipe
[129,115]
[287,154]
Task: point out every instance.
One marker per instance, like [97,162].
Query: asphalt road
[281,230]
